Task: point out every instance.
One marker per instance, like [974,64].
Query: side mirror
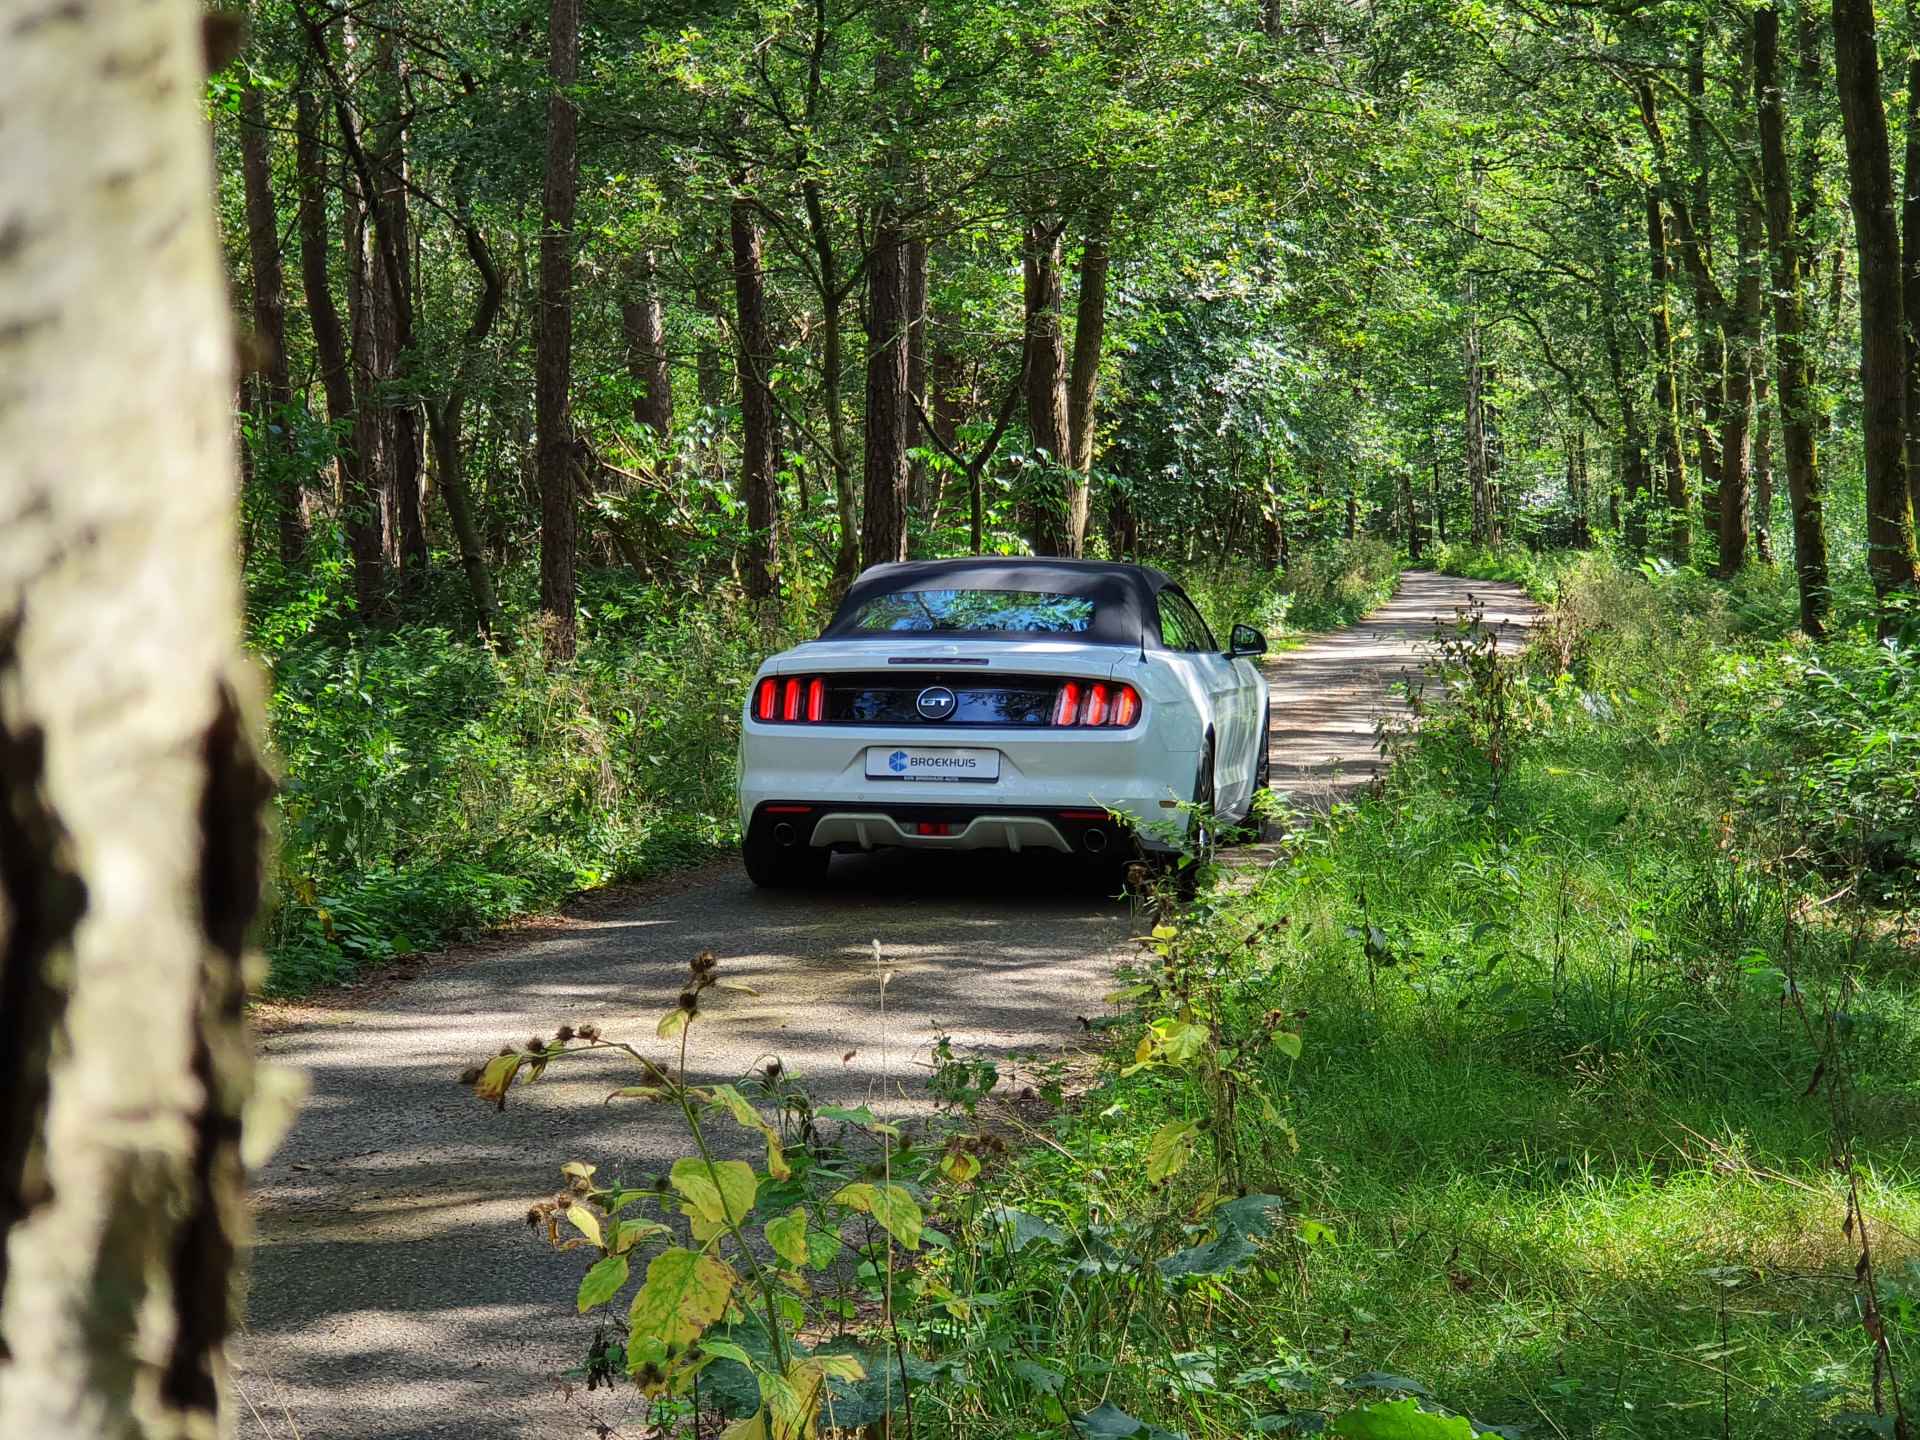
[1245,640]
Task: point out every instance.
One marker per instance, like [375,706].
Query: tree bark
[1786,246]
[1883,364]
[1763,469]
[1479,454]
[917,365]
[366,511]
[643,322]
[1744,358]
[1910,268]
[1044,367]
[1665,390]
[394,312]
[1693,219]
[883,529]
[553,353]
[443,428]
[846,555]
[130,791]
[1083,379]
[754,356]
[1635,474]
[270,322]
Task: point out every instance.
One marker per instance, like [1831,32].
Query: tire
[1263,767]
[1202,838]
[773,866]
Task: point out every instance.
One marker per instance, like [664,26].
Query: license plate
[926,762]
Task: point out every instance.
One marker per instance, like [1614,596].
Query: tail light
[1098,703]
[800,699]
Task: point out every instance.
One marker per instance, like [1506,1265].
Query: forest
[396,503]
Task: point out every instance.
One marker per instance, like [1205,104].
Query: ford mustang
[1008,704]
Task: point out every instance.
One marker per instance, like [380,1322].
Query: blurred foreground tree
[130,794]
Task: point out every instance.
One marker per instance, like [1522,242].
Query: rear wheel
[777,862]
[1202,837]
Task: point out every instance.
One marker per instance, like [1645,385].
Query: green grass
[1549,1098]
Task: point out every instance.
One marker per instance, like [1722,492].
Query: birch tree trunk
[129,789]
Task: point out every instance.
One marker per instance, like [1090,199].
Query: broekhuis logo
[900,762]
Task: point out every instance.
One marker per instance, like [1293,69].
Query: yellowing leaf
[1165,932]
[497,1078]
[719,1192]
[586,1222]
[1131,992]
[578,1170]
[745,1114]
[754,1427]
[684,1293]
[959,1166]
[637,1092]
[632,1232]
[671,1024]
[788,1237]
[1182,1040]
[841,1367]
[896,1210]
[1169,1149]
[736,987]
[601,1283]
[1313,1232]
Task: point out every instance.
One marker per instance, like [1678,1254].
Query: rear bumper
[1083,831]
[1044,775]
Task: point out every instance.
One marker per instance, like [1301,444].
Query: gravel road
[396,1291]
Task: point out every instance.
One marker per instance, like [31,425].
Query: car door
[1182,629]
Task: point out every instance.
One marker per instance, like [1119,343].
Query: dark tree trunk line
[846,555]
[366,512]
[643,324]
[1890,555]
[1083,379]
[270,320]
[918,363]
[1910,270]
[1666,398]
[1789,273]
[1044,368]
[1763,468]
[753,354]
[1635,475]
[553,346]
[358,505]
[883,527]
[443,429]
[394,312]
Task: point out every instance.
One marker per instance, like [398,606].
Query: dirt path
[395,1290]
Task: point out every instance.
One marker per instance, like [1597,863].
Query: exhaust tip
[783,834]
[1094,841]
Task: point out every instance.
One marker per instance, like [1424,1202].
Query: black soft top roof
[1122,595]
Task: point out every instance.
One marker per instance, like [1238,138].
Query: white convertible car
[996,703]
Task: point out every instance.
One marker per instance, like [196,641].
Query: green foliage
[433,785]
[1557,1152]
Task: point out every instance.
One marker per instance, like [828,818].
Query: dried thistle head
[536,1043]
[689,1001]
[772,1069]
[470,1075]
[506,1049]
[563,1035]
[534,1216]
[589,1033]
[704,963]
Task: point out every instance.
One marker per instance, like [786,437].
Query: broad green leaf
[896,1210]
[745,1114]
[726,1350]
[788,1237]
[1109,1422]
[1314,1232]
[719,1193]
[1170,1149]
[601,1283]
[629,1233]
[1236,1225]
[684,1293]
[1182,1040]
[1023,1229]
[1400,1420]
[841,1367]
[1287,1043]
[1131,992]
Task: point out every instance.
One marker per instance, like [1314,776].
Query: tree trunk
[1636,477]
[883,529]
[366,513]
[846,555]
[270,322]
[1044,366]
[643,322]
[1910,267]
[1665,391]
[443,428]
[1786,246]
[1763,469]
[553,344]
[917,478]
[130,791]
[754,356]
[1883,363]
[1714,414]
[1744,358]
[394,310]
[1479,457]
[1083,380]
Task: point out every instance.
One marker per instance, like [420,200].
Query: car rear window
[1032,612]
